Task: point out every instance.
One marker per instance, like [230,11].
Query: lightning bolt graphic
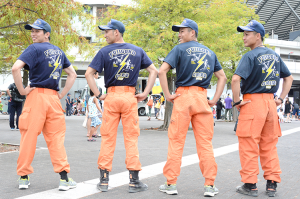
[122,64]
[56,64]
[200,62]
[270,70]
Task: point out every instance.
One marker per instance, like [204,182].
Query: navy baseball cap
[113,25]
[39,24]
[187,23]
[253,26]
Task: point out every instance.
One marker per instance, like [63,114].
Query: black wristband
[237,103]
[280,99]
[98,96]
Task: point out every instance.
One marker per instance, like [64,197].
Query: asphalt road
[83,155]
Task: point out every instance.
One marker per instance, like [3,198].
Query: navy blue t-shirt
[194,63]
[45,63]
[121,63]
[261,70]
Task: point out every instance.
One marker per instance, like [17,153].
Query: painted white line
[89,187]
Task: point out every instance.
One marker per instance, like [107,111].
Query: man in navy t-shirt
[42,110]
[257,77]
[195,64]
[121,63]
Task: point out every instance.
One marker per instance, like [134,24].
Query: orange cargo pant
[191,106]
[120,103]
[258,131]
[42,112]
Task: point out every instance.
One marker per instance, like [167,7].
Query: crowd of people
[195,64]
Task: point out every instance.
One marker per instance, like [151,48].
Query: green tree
[148,25]
[63,17]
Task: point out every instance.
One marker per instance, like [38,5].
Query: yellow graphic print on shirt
[122,60]
[55,61]
[198,57]
[269,70]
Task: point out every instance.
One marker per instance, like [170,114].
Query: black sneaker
[271,188]
[248,189]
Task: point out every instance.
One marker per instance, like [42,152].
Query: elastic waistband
[191,88]
[121,89]
[47,91]
[267,96]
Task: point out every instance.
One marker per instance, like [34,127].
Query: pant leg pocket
[244,126]
[135,127]
[173,128]
[24,119]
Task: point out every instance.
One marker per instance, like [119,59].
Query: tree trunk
[169,106]
[25,77]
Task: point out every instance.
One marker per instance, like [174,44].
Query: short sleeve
[217,65]
[98,62]
[245,66]
[11,86]
[173,57]
[146,61]
[29,56]
[284,71]
[66,63]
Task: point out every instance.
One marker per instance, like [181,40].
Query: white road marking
[87,188]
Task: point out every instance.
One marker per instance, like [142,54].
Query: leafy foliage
[60,14]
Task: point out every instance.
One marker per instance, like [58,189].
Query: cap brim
[29,27]
[244,28]
[104,28]
[176,28]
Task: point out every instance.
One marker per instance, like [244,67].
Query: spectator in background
[150,105]
[287,110]
[1,107]
[68,105]
[228,108]
[79,107]
[219,109]
[15,105]
[295,111]
[162,107]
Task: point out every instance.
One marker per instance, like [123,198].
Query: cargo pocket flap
[26,109]
[244,125]
[246,117]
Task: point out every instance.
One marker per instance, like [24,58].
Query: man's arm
[16,72]
[162,74]
[220,87]
[8,92]
[151,80]
[89,75]
[70,81]
[235,86]
[286,86]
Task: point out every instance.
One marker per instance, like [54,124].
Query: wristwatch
[237,103]
[280,99]
[98,96]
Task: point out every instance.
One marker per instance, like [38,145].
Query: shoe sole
[174,192]
[271,193]
[102,189]
[64,188]
[24,186]
[137,190]
[209,194]
[248,193]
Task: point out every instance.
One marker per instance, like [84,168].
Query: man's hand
[140,97]
[278,102]
[211,103]
[172,97]
[60,96]
[102,97]
[242,104]
[27,90]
